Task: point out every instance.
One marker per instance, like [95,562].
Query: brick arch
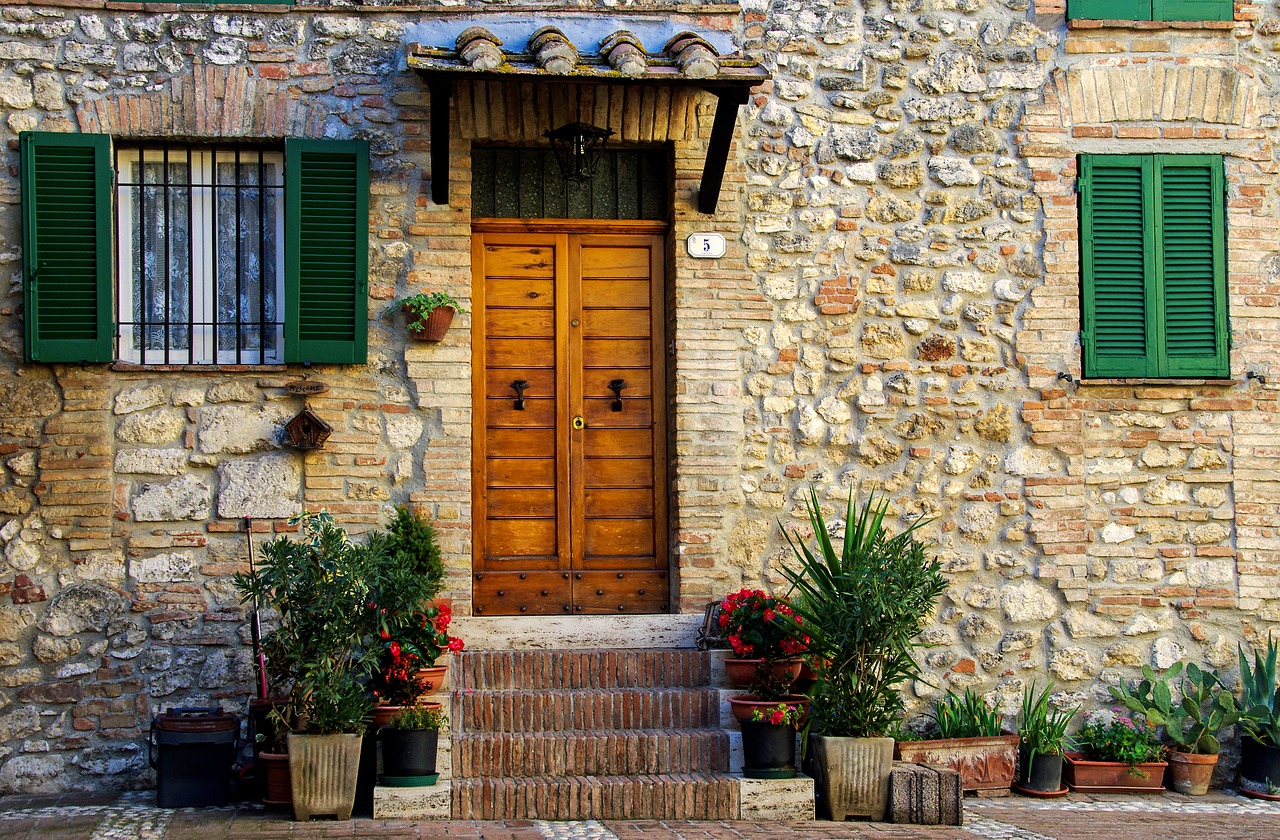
[1157,91]
[213,101]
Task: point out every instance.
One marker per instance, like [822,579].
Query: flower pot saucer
[407,781]
[1257,794]
[1042,794]
[1115,789]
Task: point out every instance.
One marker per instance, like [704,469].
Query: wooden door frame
[660,369]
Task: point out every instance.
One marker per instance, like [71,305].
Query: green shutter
[1109,9]
[326,251]
[66,246]
[1115,262]
[1192,10]
[1191,267]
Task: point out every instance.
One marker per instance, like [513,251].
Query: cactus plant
[1258,696]
[1193,724]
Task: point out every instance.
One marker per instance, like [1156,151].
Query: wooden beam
[729,100]
[441,88]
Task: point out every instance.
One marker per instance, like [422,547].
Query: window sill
[1150,25]
[130,367]
[1214,381]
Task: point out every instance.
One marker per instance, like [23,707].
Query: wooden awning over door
[642,97]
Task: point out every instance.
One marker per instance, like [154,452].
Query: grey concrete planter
[853,775]
[323,769]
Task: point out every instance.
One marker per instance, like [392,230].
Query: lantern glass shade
[578,147]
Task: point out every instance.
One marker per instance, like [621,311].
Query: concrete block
[925,794]
[413,803]
[775,799]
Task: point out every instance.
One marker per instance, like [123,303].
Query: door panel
[569,520]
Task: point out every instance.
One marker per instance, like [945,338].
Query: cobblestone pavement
[133,816]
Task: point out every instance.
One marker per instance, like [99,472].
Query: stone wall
[899,297]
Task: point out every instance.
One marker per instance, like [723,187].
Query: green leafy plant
[965,716]
[1043,729]
[412,538]
[1108,735]
[419,717]
[1192,723]
[421,305]
[1258,696]
[862,605]
[321,645]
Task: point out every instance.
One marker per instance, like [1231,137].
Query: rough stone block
[420,803]
[776,799]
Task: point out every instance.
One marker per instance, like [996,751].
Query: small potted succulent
[969,740]
[409,744]
[1260,724]
[429,314]
[1191,723]
[1043,731]
[1116,755]
[769,742]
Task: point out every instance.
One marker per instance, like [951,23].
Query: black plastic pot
[768,750]
[1043,773]
[1259,766]
[192,751]
[409,752]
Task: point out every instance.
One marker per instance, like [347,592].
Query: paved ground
[133,816]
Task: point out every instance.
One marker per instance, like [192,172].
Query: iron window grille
[200,257]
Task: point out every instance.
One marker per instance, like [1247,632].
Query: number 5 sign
[706,245]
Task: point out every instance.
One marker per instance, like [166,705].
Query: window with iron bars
[200,257]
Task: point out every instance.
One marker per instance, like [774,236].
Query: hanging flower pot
[435,325]
[429,314]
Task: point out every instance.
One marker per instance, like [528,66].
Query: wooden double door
[569,422]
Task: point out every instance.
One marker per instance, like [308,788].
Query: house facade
[1012,265]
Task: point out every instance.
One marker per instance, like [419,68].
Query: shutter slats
[326,270]
[1118,262]
[66,194]
[1190,265]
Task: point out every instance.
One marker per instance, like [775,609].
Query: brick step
[580,669]
[607,753]
[680,796]
[559,711]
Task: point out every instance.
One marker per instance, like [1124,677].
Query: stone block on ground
[413,803]
[787,800]
[925,794]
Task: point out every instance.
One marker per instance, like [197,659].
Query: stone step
[591,753]
[560,711]
[681,796]
[580,669]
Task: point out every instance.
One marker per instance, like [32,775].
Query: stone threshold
[578,632]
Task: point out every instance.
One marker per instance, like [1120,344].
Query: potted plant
[323,645]
[969,740]
[1191,723]
[1043,731]
[429,314]
[766,644]
[1116,755]
[862,605]
[1260,724]
[271,756]
[769,742]
[409,744]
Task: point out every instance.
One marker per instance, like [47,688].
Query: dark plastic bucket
[192,751]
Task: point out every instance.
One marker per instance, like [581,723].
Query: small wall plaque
[306,387]
[707,246]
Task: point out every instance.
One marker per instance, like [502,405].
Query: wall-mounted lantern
[578,148]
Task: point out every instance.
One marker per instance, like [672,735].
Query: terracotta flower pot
[277,787]
[742,672]
[744,705]
[382,715]
[324,770]
[983,763]
[1112,776]
[437,324]
[434,675]
[1190,773]
[852,775]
